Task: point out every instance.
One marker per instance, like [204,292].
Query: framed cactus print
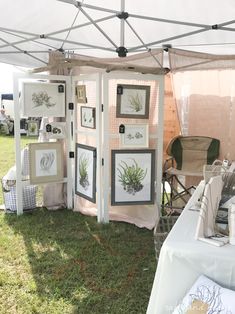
[133,101]
[85,172]
[41,99]
[133,173]
[45,162]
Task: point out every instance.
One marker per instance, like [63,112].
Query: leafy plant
[83,167]
[131,177]
[135,102]
[42,98]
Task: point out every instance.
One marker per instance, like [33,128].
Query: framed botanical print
[135,136]
[81,94]
[133,101]
[32,128]
[85,172]
[45,162]
[55,130]
[88,117]
[133,173]
[43,99]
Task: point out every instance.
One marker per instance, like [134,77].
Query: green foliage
[135,102]
[131,177]
[83,168]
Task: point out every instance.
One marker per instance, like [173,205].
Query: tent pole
[122,28]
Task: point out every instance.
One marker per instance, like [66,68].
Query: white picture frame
[40,99]
[55,130]
[135,136]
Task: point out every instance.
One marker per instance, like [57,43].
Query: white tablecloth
[182,259]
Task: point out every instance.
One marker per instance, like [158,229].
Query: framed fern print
[133,101]
[133,173]
[85,172]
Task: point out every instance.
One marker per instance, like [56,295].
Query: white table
[182,259]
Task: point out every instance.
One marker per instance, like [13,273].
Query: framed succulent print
[133,101]
[88,117]
[43,99]
[45,162]
[133,173]
[32,128]
[135,136]
[85,172]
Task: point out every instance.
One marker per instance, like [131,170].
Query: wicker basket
[161,231]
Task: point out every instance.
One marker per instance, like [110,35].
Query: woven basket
[161,231]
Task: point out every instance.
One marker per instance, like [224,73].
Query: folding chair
[188,155]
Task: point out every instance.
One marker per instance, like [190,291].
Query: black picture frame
[142,162]
[132,101]
[85,172]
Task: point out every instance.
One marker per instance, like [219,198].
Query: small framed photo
[81,94]
[88,117]
[133,176]
[43,99]
[45,162]
[133,101]
[32,128]
[85,172]
[135,136]
[55,130]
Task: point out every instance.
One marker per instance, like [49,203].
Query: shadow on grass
[78,266]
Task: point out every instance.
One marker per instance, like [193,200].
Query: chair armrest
[169,162]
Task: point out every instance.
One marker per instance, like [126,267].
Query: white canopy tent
[30,29]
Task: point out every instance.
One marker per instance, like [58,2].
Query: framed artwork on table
[43,99]
[133,176]
[56,130]
[45,162]
[32,128]
[88,117]
[81,94]
[135,136]
[133,101]
[85,172]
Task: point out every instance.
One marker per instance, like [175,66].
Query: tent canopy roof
[29,29]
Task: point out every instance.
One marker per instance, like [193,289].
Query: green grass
[66,263]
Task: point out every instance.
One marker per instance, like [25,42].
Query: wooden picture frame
[43,99]
[32,128]
[45,162]
[88,117]
[133,177]
[81,94]
[133,101]
[85,172]
[135,136]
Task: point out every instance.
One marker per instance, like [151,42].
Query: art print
[135,136]
[85,172]
[133,101]
[43,99]
[88,117]
[133,173]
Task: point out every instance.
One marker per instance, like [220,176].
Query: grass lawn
[63,262]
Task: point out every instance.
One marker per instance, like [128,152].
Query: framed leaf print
[45,162]
[32,128]
[81,93]
[135,136]
[133,101]
[133,173]
[85,172]
[43,99]
[88,117]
